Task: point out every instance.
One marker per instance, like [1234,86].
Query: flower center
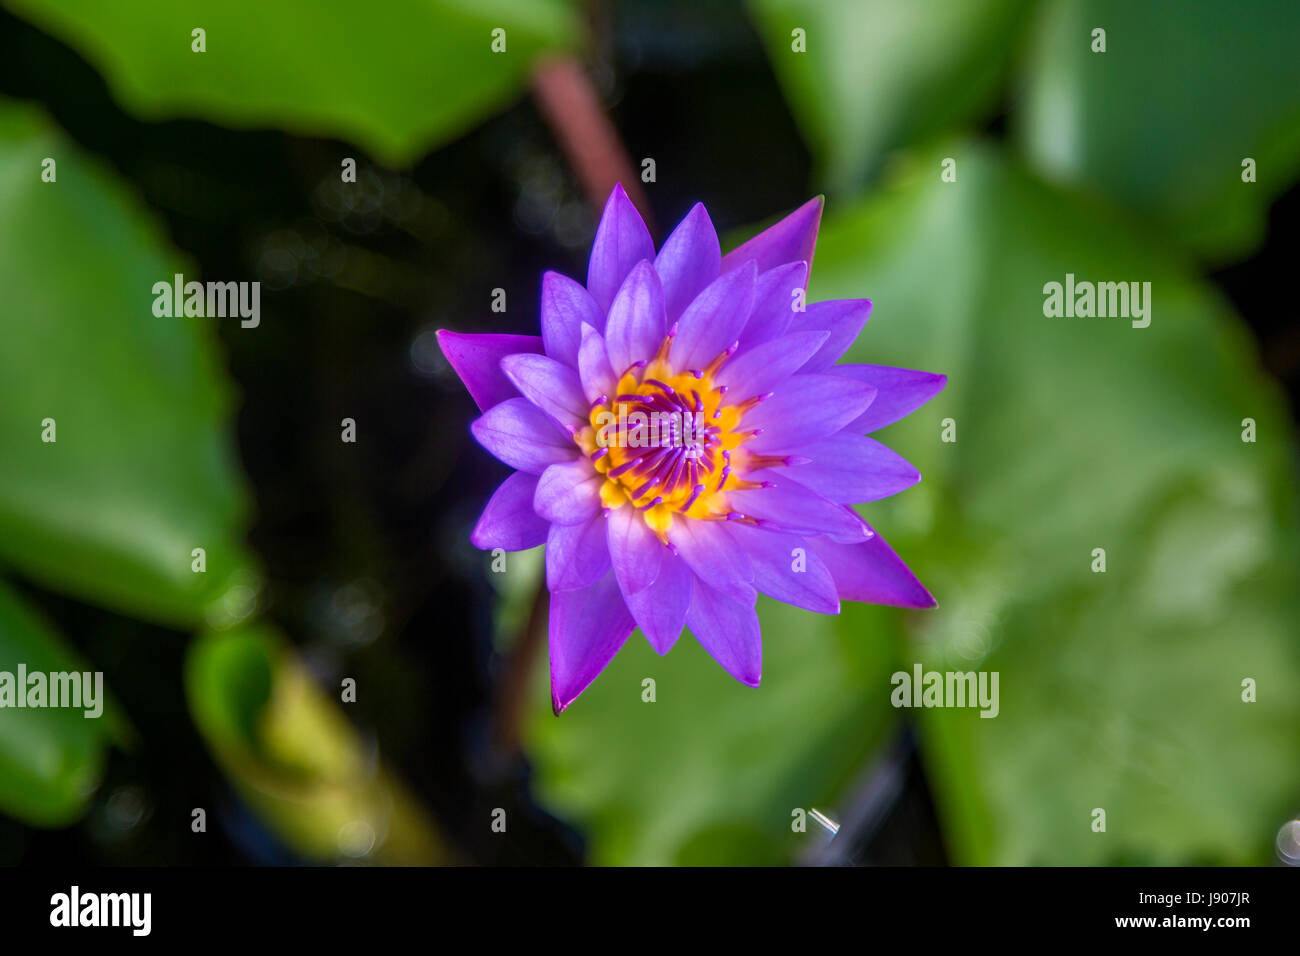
[670,443]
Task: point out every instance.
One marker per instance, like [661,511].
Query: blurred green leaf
[1162,120]
[141,472]
[294,757]
[51,758]
[1119,690]
[397,78]
[674,781]
[879,74]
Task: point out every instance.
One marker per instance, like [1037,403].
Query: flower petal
[576,554]
[786,568]
[568,493]
[593,366]
[587,628]
[566,305]
[793,239]
[477,360]
[842,318]
[689,260]
[714,320]
[634,550]
[550,385]
[853,468]
[508,520]
[729,631]
[520,434]
[791,507]
[757,370]
[805,408]
[774,303]
[901,391]
[872,573]
[714,556]
[636,319]
[622,241]
[660,610]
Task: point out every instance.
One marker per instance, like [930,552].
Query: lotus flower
[682,439]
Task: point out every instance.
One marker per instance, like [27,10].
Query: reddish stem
[571,107]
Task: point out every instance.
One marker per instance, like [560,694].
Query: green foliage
[1119,690]
[879,74]
[1162,120]
[397,78]
[141,471]
[50,758]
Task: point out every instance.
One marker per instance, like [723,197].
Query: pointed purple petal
[576,554]
[852,469]
[712,323]
[587,628]
[593,366]
[660,610]
[901,391]
[806,408]
[792,507]
[793,239]
[622,241]
[842,318]
[565,306]
[508,520]
[872,573]
[774,303]
[634,550]
[729,631]
[757,370]
[636,319]
[788,569]
[550,385]
[477,360]
[520,434]
[568,493]
[688,261]
[713,554]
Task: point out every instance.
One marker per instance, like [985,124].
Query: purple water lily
[683,440]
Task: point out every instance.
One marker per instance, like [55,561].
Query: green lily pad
[1163,119]
[397,78]
[116,434]
[1119,690]
[51,758]
[875,75]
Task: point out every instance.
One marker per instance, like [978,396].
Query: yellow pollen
[669,442]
